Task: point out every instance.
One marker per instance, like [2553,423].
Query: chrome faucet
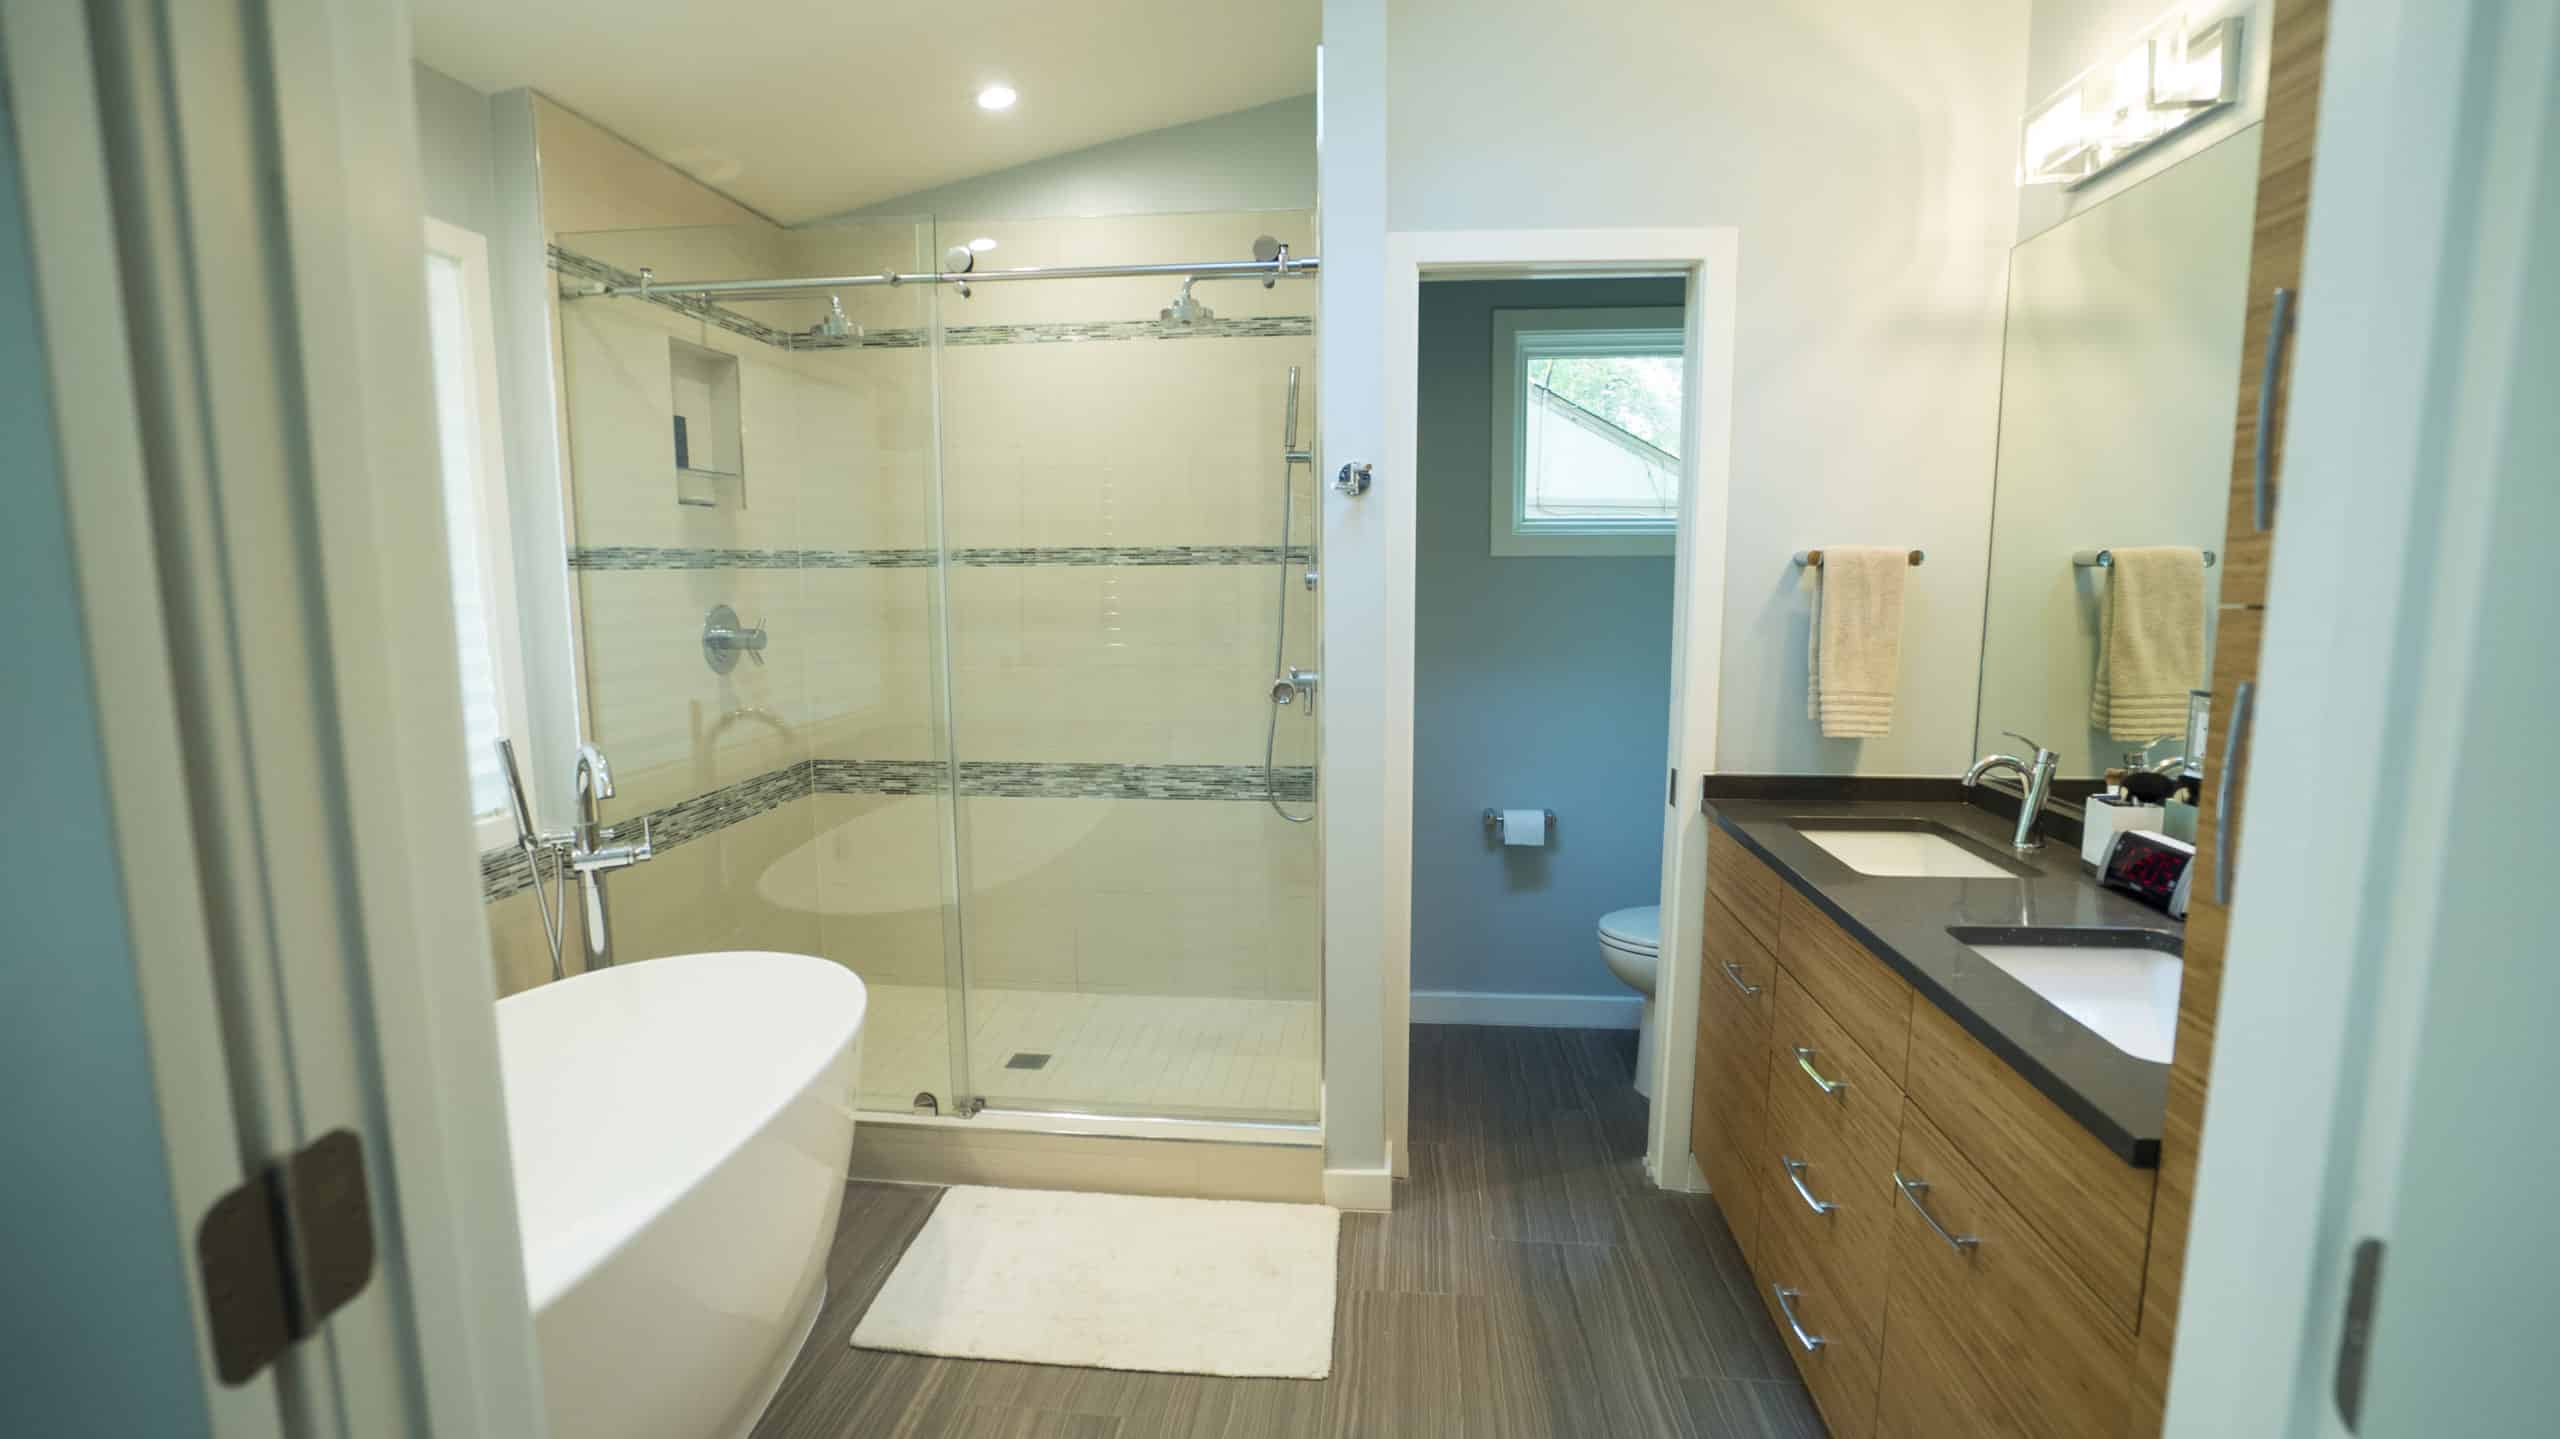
[2036,779]
[590,858]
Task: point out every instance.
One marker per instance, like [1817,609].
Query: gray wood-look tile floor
[1530,1282]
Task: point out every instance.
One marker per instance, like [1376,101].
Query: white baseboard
[1531,1011]
[1372,1190]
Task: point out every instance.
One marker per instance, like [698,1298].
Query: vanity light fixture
[982,244]
[2175,75]
[996,97]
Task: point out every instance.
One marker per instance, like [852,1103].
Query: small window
[1587,431]
[464,360]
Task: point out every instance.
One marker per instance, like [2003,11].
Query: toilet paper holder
[1493,822]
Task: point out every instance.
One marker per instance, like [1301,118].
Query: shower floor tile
[1185,1055]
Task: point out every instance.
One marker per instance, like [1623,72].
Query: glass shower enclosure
[1030,741]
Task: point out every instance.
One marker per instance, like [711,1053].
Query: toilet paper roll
[1525,827]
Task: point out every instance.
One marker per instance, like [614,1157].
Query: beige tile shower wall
[1127,442]
[838,456]
[1140,896]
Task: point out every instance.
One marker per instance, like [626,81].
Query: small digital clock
[2151,867]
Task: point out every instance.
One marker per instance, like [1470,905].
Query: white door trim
[1708,257]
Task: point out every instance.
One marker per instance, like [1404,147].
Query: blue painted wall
[94,1310]
[1542,681]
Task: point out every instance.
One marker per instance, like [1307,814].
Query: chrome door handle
[1795,1176]
[2263,495]
[1733,971]
[1787,1306]
[1912,1189]
[1836,1088]
[2242,700]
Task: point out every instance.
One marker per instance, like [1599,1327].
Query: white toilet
[1631,945]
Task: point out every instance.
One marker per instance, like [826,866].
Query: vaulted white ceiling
[803,108]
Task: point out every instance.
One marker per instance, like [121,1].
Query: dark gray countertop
[1905,921]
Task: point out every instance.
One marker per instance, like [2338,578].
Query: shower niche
[710,462]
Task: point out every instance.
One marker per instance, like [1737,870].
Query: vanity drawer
[1838,1366]
[1822,1083]
[2091,1206]
[1728,1116]
[1833,1201]
[1737,965]
[1748,887]
[1870,1002]
[1992,1336]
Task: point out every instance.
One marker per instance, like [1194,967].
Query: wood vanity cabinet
[1991,1331]
[2297,38]
[1730,1099]
[1803,1126]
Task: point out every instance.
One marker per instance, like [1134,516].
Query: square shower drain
[1027,1061]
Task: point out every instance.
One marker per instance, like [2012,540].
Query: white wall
[1365,768]
[1866,152]
[454,154]
[1258,159]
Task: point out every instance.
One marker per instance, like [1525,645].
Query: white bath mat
[1115,1281]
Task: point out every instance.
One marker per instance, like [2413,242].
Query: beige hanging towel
[1857,640]
[2150,642]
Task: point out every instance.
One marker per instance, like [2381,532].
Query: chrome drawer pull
[1836,1088]
[1733,971]
[1912,1189]
[1795,1176]
[1786,1306]
[2236,736]
[2262,505]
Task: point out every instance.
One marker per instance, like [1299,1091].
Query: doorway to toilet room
[1549,430]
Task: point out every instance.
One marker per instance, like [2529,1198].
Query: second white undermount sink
[1903,853]
[2121,984]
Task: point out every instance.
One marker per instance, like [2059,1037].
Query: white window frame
[1642,330]
[470,252]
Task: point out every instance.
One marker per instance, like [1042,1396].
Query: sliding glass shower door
[1027,564]
[1139,918]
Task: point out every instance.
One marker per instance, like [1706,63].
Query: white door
[2385,1069]
[222,245]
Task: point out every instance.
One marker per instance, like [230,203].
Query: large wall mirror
[2119,378]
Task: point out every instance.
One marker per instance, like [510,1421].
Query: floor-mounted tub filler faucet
[582,851]
[590,858]
[2035,778]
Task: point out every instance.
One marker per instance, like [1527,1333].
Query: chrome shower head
[1186,310]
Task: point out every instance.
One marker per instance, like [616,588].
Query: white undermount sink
[2122,984]
[1913,852]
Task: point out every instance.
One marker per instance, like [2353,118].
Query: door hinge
[1671,796]
[284,1251]
[2355,1332]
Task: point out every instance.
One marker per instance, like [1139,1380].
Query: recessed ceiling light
[996,97]
[983,244]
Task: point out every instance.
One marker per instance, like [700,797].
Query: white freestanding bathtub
[681,1130]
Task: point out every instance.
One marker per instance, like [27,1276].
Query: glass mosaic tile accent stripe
[880,776]
[503,872]
[591,270]
[1073,332]
[672,557]
[1052,555]
[1023,779]
[718,316]
[654,557]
